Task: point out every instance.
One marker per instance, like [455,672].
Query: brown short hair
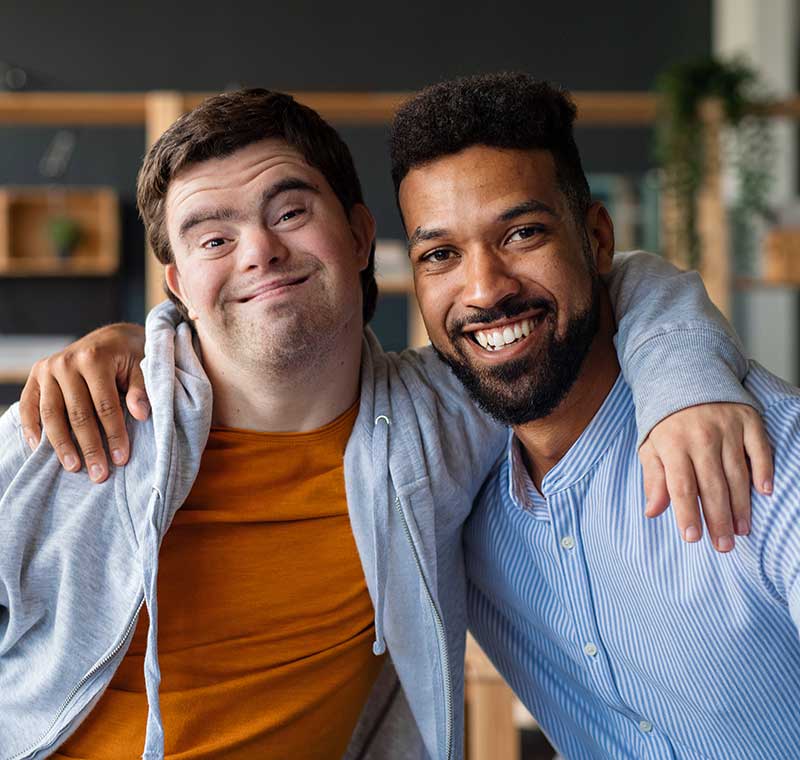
[225,123]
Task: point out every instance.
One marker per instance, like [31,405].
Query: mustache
[507,310]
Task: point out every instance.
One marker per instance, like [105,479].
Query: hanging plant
[747,144]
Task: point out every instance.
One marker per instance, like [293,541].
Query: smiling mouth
[274,288]
[498,338]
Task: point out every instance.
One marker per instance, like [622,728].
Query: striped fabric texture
[621,639]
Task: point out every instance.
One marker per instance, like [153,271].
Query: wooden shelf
[72,108]
[155,111]
[26,215]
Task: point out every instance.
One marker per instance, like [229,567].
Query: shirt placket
[575,574]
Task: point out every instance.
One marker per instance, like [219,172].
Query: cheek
[434,304]
[203,283]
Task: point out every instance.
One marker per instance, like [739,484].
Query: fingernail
[117,456]
[95,472]
[742,527]
[691,534]
[767,486]
[725,543]
[71,462]
[32,442]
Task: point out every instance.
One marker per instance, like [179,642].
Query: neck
[547,440]
[301,399]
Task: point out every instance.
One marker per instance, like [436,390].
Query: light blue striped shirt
[621,639]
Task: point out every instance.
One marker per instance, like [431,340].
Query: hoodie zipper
[440,635]
[92,672]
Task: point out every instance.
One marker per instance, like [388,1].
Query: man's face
[266,260]
[507,280]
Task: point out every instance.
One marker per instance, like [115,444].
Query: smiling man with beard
[622,640]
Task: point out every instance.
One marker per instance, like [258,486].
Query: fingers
[56,427]
[107,407]
[759,452]
[80,412]
[29,409]
[715,497]
[136,397]
[655,482]
[682,488]
[738,477]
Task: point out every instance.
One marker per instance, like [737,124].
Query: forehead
[239,176]
[480,180]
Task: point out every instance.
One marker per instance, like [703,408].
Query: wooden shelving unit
[26,248]
[155,111]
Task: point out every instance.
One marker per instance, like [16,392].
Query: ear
[362,224]
[173,279]
[600,231]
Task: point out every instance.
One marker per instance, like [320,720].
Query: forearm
[675,348]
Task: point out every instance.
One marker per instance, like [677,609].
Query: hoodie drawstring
[380,522]
[154,736]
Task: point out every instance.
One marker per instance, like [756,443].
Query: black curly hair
[507,110]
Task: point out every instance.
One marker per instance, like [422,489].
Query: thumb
[136,397]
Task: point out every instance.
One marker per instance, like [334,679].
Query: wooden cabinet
[33,219]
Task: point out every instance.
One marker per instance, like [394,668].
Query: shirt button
[645,726]
[590,649]
[568,542]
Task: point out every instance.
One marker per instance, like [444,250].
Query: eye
[525,233]
[214,243]
[439,256]
[287,216]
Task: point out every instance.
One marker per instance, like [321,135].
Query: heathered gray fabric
[72,564]
[76,558]
[664,319]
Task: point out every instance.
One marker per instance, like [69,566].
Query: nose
[488,280]
[261,247]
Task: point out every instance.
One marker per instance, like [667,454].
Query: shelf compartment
[26,246]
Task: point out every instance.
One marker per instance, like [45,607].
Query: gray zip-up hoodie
[78,560]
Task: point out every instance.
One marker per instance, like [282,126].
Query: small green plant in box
[65,234]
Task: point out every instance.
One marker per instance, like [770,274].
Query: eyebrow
[284,186]
[206,215]
[527,207]
[226,214]
[421,235]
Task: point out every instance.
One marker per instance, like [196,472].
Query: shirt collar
[616,409]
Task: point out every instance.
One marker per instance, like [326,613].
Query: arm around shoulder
[675,348]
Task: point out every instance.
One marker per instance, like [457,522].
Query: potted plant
[747,144]
[65,234]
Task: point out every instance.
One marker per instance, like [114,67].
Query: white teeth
[493,340]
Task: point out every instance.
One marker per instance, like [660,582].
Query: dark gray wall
[304,45]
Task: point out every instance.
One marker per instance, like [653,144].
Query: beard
[530,387]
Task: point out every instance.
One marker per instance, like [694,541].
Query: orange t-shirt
[265,623]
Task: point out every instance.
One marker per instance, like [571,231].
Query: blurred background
[687,125]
